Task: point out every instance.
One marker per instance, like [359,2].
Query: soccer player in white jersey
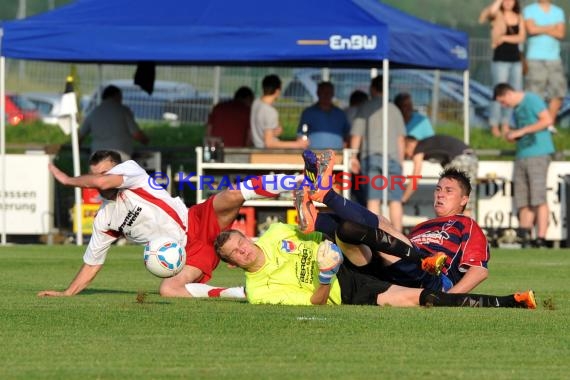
[139,212]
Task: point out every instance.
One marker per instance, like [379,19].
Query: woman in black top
[507,34]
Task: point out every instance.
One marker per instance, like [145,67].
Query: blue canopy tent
[316,32]
[324,33]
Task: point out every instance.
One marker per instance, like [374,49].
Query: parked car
[181,99]
[47,104]
[19,110]
[192,110]
[303,89]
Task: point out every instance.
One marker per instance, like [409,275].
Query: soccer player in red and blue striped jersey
[456,235]
[451,233]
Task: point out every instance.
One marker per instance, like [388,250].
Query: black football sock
[378,240]
[346,209]
[436,298]
[326,223]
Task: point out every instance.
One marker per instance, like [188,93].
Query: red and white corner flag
[68,109]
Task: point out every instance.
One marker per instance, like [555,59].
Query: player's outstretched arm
[99,181]
[473,277]
[83,278]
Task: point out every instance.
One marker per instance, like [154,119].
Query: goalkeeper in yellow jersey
[285,266]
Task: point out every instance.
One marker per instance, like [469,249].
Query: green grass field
[105,333]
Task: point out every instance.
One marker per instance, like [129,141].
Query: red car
[19,110]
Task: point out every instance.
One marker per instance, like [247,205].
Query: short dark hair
[400,98]
[357,97]
[376,83]
[460,176]
[222,239]
[270,84]
[102,155]
[243,92]
[501,89]
[325,84]
[110,92]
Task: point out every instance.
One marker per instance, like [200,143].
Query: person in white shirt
[139,210]
[265,127]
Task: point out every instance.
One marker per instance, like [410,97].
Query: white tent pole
[435,97]
[326,74]
[217,81]
[466,132]
[99,84]
[69,109]
[385,95]
[76,172]
[3,146]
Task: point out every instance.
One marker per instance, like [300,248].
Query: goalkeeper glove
[329,258]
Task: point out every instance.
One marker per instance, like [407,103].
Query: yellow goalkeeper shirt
[290,274]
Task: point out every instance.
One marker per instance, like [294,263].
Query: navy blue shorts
[402,272]
[406,273]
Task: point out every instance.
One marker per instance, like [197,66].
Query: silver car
[48,105]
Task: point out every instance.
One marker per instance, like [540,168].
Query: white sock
[269,186]
[207,291]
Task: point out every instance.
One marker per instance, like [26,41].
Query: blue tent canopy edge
[355,33]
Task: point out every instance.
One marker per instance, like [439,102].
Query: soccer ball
[164,257]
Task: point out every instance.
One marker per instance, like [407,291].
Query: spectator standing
[417,125]
[545,25]
[265,127]
[450,153]
[357,98]
[534,150]
[367,136]
[328,127]
[112,125]
[507,34]
[230,120]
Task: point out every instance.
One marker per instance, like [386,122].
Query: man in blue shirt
[417,125]
[327,124]
[545,27]
[534,147]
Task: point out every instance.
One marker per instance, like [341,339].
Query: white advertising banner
[495,206]
[27,203]
[495,191]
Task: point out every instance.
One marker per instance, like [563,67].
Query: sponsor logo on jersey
[132,215]
[287,246]
[431,237]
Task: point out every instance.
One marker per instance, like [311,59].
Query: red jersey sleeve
[475,247]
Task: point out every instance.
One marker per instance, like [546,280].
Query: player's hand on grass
[52,293]
[329,258]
